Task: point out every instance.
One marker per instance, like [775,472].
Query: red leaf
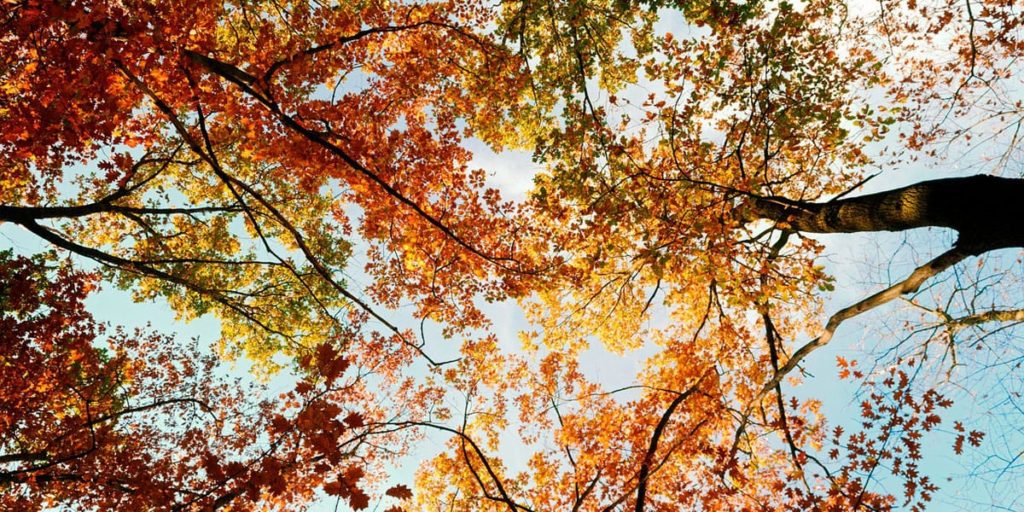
[359,500]
[335,488]
[353,474]
[354,420]
[303,387]
[280,424]
[399,491]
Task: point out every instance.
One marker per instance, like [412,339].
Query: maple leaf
[359,500]
[975,438]
[354,420]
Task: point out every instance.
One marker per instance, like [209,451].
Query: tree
[230,157]
[136,136]
[109,420]
[695,202]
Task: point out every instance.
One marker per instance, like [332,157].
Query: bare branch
[908,285]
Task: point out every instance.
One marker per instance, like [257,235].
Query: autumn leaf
[359,500]
[354,420]
[399,491]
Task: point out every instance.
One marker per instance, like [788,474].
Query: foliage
[111,420]
[239,159]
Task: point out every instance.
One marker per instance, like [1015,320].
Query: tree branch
[984,210]
[909,285]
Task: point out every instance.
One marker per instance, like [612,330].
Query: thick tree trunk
[986,211]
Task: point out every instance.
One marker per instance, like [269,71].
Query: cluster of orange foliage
[237,158]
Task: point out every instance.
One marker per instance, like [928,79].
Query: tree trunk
[986,211]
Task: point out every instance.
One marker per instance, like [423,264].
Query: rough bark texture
[987,211]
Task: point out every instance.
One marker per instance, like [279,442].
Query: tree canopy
[301,171]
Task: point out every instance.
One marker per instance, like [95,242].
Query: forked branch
[908,285]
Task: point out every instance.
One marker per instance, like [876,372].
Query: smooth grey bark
[986,211]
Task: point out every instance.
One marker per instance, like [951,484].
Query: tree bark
[986,211]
